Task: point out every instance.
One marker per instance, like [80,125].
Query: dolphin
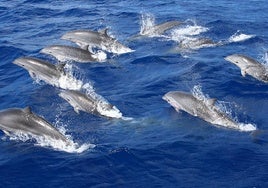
[70,53]
[16,120]
[204,109]
[89,104]
[249,66]
[197,43]
[160,28]
[54,75]
[88,39]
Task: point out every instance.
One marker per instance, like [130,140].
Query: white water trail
[44,141]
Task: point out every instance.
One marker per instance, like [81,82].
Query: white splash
[239,37]
[100,55]
[247,127]
[69,82]
[197,93]
[116,47]
[147,23]
[43,141]
[188,30]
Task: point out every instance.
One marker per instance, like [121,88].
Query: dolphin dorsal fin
[211,102]
[60,66]
[104,32]
[27,110]
[84,47]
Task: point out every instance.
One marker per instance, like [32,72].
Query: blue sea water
[159,147]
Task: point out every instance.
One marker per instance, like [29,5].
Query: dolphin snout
[166,98]
[19,62]
[227,58]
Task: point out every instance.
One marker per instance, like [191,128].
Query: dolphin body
[205,110]
[70,53]
[16,120]
[89,104]
[249,66]
[54,75]
[160,28]
[88,39]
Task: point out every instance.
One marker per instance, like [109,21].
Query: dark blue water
[160,147]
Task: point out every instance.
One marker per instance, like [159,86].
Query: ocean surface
[154,146]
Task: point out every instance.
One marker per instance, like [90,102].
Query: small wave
[239,37]
[127,118]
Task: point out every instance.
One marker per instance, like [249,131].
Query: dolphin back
[161,28]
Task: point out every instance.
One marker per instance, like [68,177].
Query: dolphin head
[239,60]
[39,68]
[177,99]
[33,65]
[24,62]
[54,50]
[50,50]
